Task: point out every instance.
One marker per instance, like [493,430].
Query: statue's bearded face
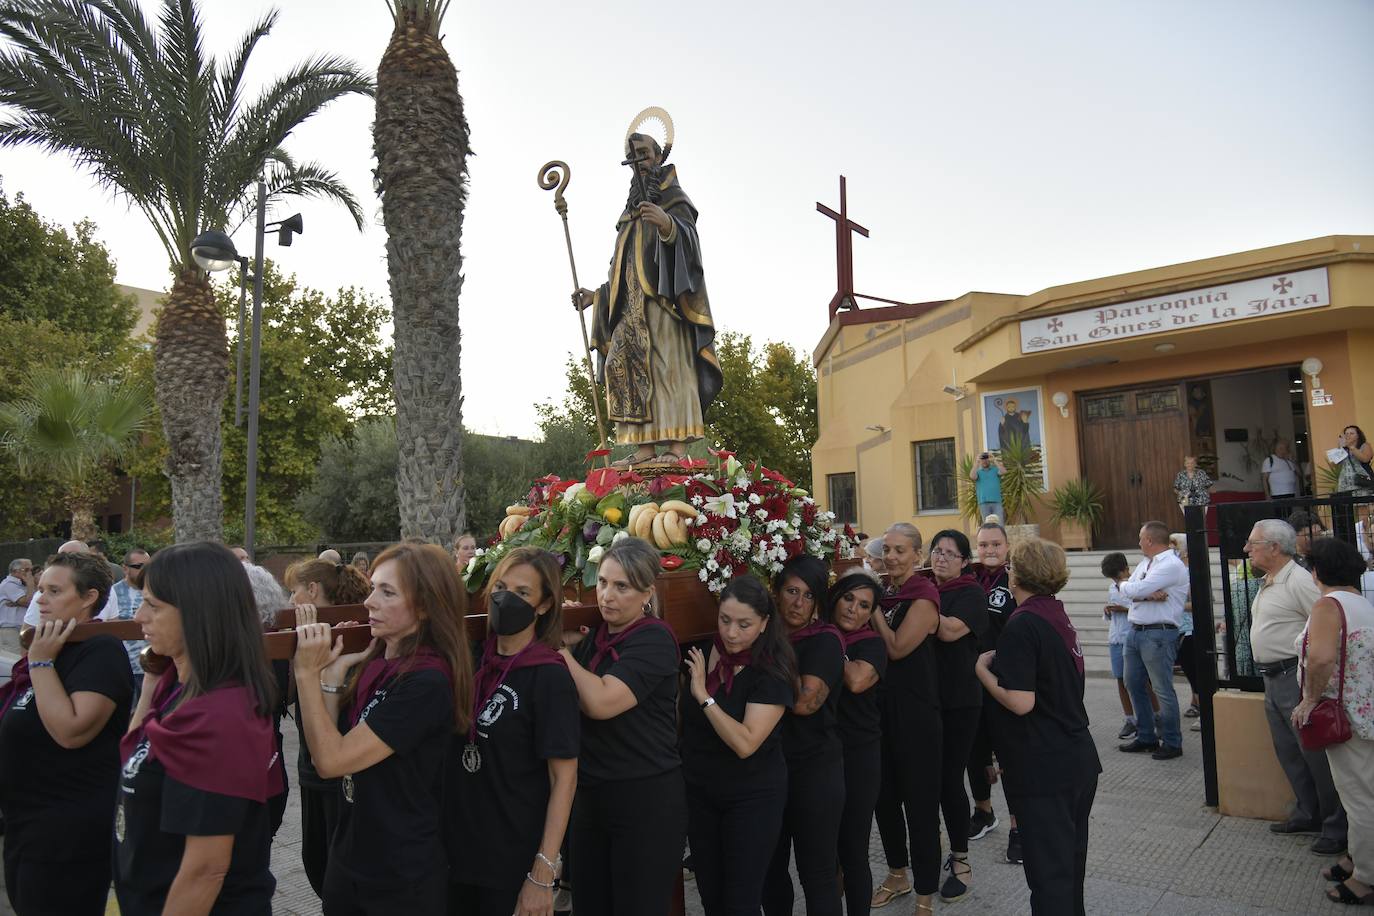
[647,152]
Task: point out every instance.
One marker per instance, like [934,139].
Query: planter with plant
[1076,505]
[1023,482]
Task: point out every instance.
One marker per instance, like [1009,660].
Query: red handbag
[1326,724]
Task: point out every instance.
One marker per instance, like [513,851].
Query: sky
[999,146]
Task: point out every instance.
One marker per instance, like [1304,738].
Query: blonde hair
[1039,566]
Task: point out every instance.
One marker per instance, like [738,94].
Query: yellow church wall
[881,384]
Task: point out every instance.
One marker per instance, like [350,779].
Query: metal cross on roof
[844,253]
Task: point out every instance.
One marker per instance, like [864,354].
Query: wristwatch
[709,701]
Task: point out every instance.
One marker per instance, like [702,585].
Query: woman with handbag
[1356,475]
[1336,654]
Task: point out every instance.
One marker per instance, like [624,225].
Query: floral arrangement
[723,519]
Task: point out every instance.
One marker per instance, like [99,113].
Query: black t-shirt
[494,818]
[154,816]
[806,738]
[706,759]
[959,687]
[1049,749]
[388,833]
[643,741]
[59,803]
[1001,603]
[859,717]
[913,675]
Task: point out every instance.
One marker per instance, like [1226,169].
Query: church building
[1114,380]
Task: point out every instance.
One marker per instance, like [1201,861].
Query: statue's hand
[582,298]
[653,215]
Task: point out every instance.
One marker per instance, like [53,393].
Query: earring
[648,606]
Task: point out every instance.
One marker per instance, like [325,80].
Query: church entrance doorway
[1132,442]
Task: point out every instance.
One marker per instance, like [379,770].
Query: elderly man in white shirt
[1278,616]
[1157,590]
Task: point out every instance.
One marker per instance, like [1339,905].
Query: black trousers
[319,815]
[1187,661]
[472,900]
[811,825]
[38,887]
[909,798]
[733,830]
[960,729]
[628,838]
[1054,841]
[979,759]
[344,896]
[863,768]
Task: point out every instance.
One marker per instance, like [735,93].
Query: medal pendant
[119,822]
[472,758]
[348,788]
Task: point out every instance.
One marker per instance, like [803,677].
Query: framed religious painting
[1015,415]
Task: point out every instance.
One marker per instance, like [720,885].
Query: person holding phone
[987,483]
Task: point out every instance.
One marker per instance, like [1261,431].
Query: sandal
[886,893]
[1336,872]
[1343,894]
[925,906]
[955,887]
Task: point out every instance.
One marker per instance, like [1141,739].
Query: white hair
[16,563]
[1279,533]
[268,594]
[908,531]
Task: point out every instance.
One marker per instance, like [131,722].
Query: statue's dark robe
[654,303]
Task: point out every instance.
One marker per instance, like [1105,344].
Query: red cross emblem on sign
[1283,285]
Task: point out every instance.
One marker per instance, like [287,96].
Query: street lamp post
[214,251]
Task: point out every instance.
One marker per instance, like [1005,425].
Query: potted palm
[1023,480]
[968,492]
[1077,506]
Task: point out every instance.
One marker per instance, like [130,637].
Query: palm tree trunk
[83,521]
[191,367]
[421,142]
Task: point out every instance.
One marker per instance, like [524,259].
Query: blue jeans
[1150,656]
[986,509]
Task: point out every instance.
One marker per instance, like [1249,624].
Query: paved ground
[1155,848]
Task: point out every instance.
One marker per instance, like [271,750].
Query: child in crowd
[1115,568]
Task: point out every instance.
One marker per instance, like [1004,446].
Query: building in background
[1204,358]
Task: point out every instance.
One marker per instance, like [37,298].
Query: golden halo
[650,116]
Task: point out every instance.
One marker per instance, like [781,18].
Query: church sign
[1274,295]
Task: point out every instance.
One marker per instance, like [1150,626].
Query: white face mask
[875,566]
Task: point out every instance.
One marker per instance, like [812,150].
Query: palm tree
[158,122]
[74,427]
[420,139]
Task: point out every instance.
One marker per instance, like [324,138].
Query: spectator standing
[464,549]
[1344,671]
[1308,527]
[1192,486]
[1280,473]
[987,484]
[1034,681]
[1356,476]
[361,562]
[1116,612]
[1279,614]
[16,591]
[1156,590]
[128,594]
[109,612]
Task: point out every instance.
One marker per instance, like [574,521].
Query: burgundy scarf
[491,674]
[913,589]
[988,578]
[215,742]
[381,671]
[961,581]
[1051,610]
[726,663]
[606,642]
[815,628]
[19,682]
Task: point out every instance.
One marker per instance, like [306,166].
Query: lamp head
[287,227]
[1312,366]
[214,251]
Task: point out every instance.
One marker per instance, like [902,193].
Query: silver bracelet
[553,866]
[331,688]
[548,887]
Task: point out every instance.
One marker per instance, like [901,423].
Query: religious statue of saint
[651,318]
